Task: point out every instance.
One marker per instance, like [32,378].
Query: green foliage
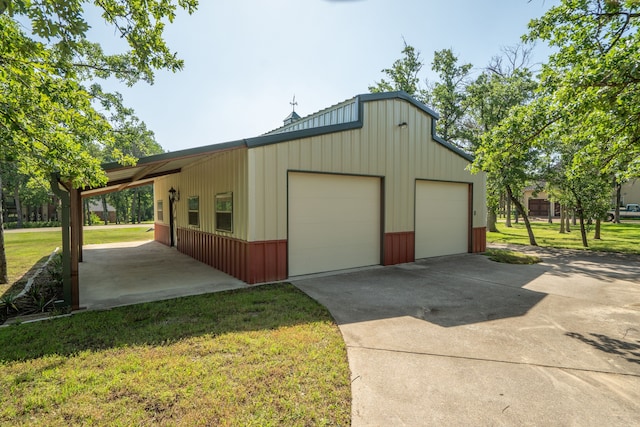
[48,122]
[447,96]
[403,75]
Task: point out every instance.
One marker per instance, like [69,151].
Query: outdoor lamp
[174,195]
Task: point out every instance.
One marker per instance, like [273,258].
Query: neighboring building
[95,207]
[364,182]
[630,192]
[539,204]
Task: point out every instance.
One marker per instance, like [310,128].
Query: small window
[194,211]
[160,214]
[224,212]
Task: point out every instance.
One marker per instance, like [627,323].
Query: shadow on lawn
[19,282]
[163,322]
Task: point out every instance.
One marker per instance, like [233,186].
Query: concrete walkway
[463,341]
[130,273]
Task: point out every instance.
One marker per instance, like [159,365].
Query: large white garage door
[334,222]
[442,218]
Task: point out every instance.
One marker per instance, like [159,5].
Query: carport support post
[171,239]
[65,200]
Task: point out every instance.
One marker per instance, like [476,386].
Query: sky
[246,59]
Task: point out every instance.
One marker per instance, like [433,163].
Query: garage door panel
[442,218]
[334,222]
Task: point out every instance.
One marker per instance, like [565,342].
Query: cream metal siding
[379,148]
[442,218]
[221,172]
[334,222]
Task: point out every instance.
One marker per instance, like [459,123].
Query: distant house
[538,202]
[364,182]
[95,207]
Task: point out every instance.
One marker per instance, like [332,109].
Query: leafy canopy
[48,117]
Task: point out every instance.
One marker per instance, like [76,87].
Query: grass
[27,250]
[511,257]
[624,238]
[267,355]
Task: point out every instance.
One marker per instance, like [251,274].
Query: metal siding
[379,148]
[218,173]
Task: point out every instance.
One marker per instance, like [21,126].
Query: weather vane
[294,103]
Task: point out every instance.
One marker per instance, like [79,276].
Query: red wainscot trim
[479,239]
[399,248]
[251,262]
[161,234]
[266,261]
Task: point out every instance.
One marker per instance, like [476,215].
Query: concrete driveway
[462,340]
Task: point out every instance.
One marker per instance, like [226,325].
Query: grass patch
[267,355]
[621,238]
[26,251]
[511,257]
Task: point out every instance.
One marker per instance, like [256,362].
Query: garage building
[364,182]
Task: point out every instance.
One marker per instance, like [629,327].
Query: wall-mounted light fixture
[402,125]
[174,195]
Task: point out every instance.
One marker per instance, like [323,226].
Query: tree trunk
[105,210]
[491,220]
[525,217]
[132,215]
[4,278]
[507,222]
[139,193]
[597,233]
[616,218]
[567,219]
[562,219]
[16,197]
[583,230]
[87,212]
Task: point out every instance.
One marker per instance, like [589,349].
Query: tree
[591,83]
[403,75]
[593,77]
[48,123]
[447,96]
[505,83]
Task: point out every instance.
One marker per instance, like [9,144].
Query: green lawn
[27,250]
[264,356]
[623,237]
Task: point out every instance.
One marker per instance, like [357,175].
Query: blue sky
[245,59]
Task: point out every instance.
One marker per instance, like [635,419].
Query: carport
[119,178]
[135,272]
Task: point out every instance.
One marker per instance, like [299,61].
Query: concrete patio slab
[135,272]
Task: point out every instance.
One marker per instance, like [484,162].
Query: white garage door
[334,222]
[442,218]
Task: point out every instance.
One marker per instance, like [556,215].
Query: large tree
[48,123]
[403,75]
[505,83]
[593,80]
[447,95]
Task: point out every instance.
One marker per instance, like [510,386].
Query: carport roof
[148,168]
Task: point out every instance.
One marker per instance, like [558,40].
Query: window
[224,212]
[194,211]
[159,215]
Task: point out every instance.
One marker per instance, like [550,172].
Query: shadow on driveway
[447,291]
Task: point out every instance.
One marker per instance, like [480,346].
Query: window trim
[218,197]
[160,210]
[195,211]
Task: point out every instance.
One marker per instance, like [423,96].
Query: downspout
[65,200]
